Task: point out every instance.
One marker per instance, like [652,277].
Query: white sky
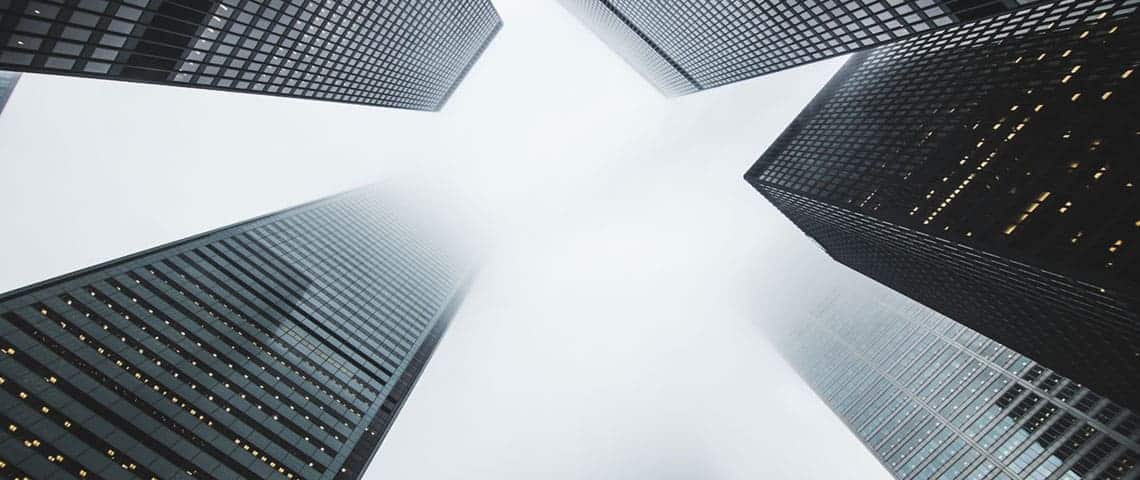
[613,332]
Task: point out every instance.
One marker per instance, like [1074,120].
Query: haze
[615,329]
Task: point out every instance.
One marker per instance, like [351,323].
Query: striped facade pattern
[931,398]
[277,348]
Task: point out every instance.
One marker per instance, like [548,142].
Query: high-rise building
[7,84]
[282,347]
[988,171]
[931,398]
[684,46]
[406,53]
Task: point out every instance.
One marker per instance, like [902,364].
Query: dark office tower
[932,399]
[282,347]
[683,46]
[989,171]
[402,53]
[7,84]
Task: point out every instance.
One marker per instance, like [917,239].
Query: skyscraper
[988,171]
[282,347]
[684,46]
[933,399]
[407,54]
[7,84]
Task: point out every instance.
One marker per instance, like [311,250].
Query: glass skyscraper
[988,171]
[931,398]
[282,347]
[405,53]
[7,84]
[684,46]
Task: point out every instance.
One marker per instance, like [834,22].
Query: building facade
[406,54]
[684,46]
[7,84]
[988,171]
[282,347]
[931,398]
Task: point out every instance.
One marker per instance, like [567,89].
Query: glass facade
[710,43]
[987,170]
[634,47]
[407,54]
[7,84]
[282,347]
[931,398]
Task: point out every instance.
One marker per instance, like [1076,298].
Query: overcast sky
[614,330]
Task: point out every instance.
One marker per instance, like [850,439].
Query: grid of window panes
[277,348]
[986,170]
[933,399]
[716,42]
[626,41]
[1036,129]
[7,84]
[406,54]
[1086,333]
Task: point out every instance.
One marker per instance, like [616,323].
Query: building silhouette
[988,171]
[406,54]
[684,46]
[931,398]
[281,347]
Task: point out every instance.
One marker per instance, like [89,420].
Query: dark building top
[405,54]
[931,398]
[684,46]
[988,170]
[7,84]
[282,347]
